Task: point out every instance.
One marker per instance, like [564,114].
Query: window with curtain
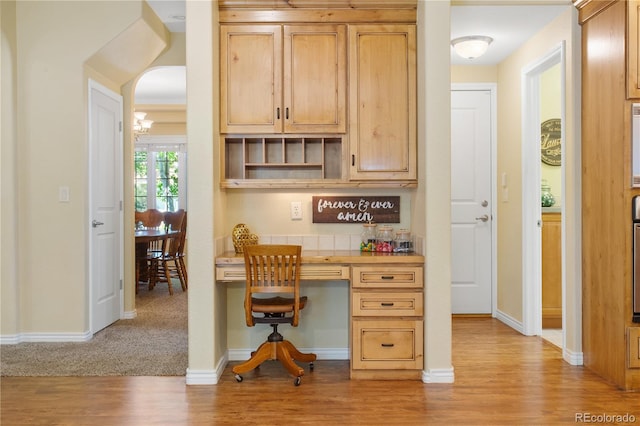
[160,173]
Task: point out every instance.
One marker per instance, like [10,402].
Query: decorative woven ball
[243,237]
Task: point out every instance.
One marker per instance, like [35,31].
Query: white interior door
[471,202]
[105,227]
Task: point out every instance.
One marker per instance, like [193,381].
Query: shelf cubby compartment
[273,158]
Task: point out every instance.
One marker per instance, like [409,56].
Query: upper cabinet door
[633,49]
[251,79]
[315,61]
[382,102]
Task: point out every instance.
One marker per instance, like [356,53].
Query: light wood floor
[501,377]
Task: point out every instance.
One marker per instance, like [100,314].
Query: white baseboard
[207,377]
[573,358]
[322,353]
[201,377]
[12,339]
[129,314]
[510,321]
[438,375]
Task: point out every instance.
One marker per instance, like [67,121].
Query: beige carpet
[152,344]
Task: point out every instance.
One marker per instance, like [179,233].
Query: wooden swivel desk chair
[274,270]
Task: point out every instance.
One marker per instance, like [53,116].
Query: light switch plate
[63,194]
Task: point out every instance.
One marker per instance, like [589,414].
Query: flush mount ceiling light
[471,47]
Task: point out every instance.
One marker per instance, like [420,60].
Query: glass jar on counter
[403,242]
[368,237]
[547,197]
[384,239]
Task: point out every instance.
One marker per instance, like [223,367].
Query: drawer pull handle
[387,277]
[387,345]
[386,304]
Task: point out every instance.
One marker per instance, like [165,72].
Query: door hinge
[120,205]
[120,284]
[120,125]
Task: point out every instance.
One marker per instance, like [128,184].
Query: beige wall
[207,302]
[9,293]
[474,73]
[564,28]
[46,240]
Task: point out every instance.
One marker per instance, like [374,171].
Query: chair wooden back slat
[150,219]
[272,269]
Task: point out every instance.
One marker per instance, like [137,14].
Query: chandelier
[140,125]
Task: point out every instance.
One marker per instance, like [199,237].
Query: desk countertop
[350,257]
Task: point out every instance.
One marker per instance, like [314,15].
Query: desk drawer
[307,272]
[387,276]
[387,344]
[396,304]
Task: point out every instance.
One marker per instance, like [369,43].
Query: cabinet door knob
[387,345]
[278,113]
[286,113]
[353,160]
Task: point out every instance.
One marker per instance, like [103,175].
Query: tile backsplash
[311,242]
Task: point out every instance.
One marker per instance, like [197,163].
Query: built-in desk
[386,309]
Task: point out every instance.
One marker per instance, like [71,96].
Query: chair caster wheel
[238,378]
[311,366]
[297,381]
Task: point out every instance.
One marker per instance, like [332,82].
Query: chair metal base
[276,348]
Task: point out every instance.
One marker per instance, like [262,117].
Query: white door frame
[531,208]
[89,207]
[493,89]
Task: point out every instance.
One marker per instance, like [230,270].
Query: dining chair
[182,250]
[150,218]
[167,266]
[272,296]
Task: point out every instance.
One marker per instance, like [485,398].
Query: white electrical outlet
[296,210]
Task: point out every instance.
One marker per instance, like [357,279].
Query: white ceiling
[509,26]
[164,85]
[171,12]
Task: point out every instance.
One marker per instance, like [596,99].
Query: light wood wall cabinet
[387,322]
[382,99]
[633,45]
[346,75]
[607,243]
[283,78]
[551,270]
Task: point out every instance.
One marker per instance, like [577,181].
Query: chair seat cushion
[275,305]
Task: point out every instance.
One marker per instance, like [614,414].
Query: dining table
[143,238]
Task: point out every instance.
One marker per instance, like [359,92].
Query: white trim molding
[438,375]
[13,339]
[510,321]
[321,353]
[573,358]
[207,377]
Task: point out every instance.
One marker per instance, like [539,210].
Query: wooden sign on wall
[330,209]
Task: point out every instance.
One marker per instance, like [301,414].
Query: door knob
[96,223]
[483,218]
